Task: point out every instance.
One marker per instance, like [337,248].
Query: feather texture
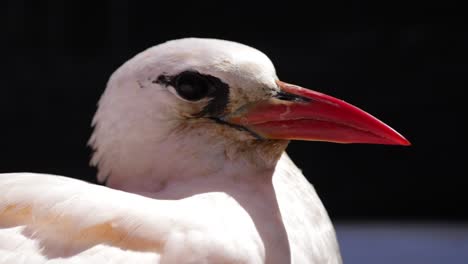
[53,219]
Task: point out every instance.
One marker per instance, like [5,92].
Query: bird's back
[45,218]
[53,219]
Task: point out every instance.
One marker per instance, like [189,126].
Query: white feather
[202,193]
[52,218]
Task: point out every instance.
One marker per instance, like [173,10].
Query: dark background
[404,63]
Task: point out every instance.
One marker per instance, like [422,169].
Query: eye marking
[194,86]
[163,79]
[189,85]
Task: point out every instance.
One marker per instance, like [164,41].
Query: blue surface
[423,243]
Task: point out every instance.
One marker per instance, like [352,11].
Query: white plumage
[187,185]
[62,220]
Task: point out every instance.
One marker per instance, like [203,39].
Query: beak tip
[401,141]
[406,142]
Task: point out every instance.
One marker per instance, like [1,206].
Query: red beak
[302,114]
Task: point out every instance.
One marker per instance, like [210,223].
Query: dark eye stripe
[219,91]
[193,86]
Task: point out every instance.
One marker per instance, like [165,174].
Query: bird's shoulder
[47,217]
[310,231]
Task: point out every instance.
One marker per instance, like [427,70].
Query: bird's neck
[201,165]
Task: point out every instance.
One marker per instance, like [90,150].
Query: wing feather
[54,217]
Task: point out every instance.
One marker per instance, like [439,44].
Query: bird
[189,141]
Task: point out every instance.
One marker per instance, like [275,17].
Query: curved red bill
[310,115]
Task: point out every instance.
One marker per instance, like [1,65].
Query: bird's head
[202,102]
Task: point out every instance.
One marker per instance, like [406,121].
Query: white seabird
[189,137]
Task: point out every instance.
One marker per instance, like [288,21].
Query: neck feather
[145,162]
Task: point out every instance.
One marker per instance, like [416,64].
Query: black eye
[192,86]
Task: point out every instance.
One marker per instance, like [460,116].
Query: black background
[405,63]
